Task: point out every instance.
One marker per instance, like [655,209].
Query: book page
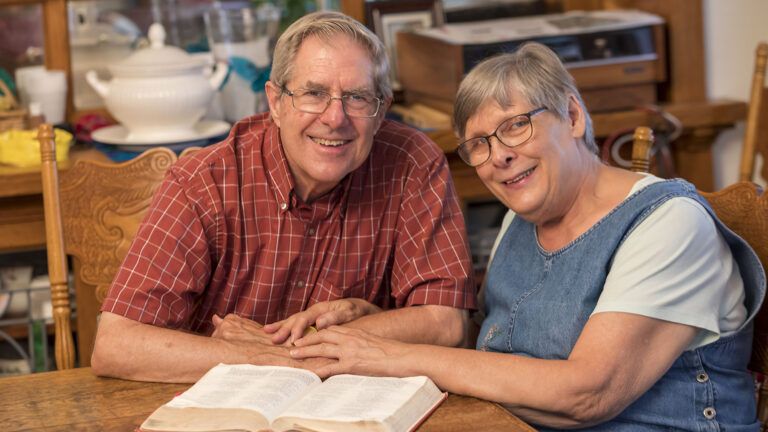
[354,398]
[265,389]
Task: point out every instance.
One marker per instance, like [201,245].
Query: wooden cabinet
[685,41]
[56,46]
[55,35]
[683,94]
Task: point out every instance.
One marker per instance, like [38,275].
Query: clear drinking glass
[244,38]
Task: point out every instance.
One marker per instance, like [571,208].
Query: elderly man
[318,212]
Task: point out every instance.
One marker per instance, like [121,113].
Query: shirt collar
[279,171]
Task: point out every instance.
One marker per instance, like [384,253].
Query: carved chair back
[92,214]
[743,207]
[756,128]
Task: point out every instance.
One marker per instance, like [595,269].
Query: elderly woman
[614,300]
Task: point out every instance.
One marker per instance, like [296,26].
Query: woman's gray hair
[326,25]
[533,70]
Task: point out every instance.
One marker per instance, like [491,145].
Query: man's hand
[251,337]
[238,329]
[321,315]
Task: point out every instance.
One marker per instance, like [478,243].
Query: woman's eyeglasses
[512,132]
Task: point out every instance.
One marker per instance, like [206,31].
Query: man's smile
[330,142]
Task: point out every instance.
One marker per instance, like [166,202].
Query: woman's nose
[501,155]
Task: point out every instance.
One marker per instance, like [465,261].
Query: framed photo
[387,18]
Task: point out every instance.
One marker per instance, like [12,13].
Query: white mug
[50,90]
[24,75]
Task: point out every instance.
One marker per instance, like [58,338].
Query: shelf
[21,330]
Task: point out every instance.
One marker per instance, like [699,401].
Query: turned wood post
[57,260]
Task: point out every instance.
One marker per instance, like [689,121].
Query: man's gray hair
[326,25]
[533,70]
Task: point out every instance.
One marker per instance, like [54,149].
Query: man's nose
[334,114]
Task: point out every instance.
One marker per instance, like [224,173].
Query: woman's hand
[354,351]
[321,315]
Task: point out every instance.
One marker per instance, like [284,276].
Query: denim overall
[537,304]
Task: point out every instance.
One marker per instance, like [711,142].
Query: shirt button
[283,206]
[311,231]
[709,413]
[702,377]
[300,284]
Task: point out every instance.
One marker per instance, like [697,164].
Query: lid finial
[156,35]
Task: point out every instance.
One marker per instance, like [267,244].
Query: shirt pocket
[327,291]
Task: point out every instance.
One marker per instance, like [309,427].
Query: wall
[732,30]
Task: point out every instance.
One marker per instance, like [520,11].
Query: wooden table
[76,400]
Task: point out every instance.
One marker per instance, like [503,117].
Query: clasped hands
[279,338]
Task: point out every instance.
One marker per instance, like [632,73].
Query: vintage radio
[617,57]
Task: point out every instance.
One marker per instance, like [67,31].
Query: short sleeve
[431,260]
[167,264]
[675,266]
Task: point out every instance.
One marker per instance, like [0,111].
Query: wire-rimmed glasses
[317,101]
[512,132]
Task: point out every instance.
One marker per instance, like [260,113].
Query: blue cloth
[122,154]
[537,304]
[249,72]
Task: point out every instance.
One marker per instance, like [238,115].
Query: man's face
[323,148]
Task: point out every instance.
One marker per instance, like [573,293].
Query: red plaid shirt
[226,234]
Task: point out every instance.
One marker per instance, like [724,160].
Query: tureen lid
[156,60]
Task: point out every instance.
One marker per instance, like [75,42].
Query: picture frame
[388,17]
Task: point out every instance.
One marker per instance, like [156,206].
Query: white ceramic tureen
[159,92]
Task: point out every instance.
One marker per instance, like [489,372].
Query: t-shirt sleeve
[167,264]
[432,263]
[675,266]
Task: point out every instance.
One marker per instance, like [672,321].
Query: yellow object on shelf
[21,147]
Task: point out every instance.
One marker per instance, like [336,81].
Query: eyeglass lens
[511,132]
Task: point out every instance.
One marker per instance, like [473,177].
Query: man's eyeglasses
[512,132]
[317,101]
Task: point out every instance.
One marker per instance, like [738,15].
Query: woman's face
[539,179]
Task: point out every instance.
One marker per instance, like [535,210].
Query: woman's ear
[274,99]
[577,117]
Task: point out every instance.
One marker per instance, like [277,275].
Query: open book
[255,398]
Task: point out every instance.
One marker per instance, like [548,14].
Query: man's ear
[274,98]
[577,117]
[385,104]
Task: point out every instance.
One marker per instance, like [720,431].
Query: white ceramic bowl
[158,93]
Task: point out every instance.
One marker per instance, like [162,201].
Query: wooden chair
[743,207]
[756,133]
[91,213]
[641,149]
